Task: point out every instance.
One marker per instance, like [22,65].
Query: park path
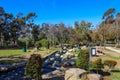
[113,49]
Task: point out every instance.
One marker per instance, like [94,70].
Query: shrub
[34,66]
[83,59]
[37,44]
[110,63]
[98,64]
[45,43]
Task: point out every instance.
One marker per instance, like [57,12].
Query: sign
[93,51]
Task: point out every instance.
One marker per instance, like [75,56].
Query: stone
[56,64]
[51,75]
[57,55]
[74,74]
[65,64]
[83,47]
[68,63]
[70,50]
[94,77]
[52,59]
[63,68]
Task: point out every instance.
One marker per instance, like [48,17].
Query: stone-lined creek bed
[17,71]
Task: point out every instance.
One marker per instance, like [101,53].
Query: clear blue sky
[66,11]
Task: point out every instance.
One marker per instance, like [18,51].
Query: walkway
[113,49]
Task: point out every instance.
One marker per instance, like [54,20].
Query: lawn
[115,76]
[10,52]
[42,51]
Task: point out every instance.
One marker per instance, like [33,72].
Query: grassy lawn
[10,52]
[115,76]
[42,51]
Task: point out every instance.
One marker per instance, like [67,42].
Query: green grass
[114,76]
[113,57]
[10,52]
[42,51]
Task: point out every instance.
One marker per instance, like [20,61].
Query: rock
[74,49]
[72,63]
[35,50]
[65,64]
[61,56]
[83,47]
[76,55]
[68,55]
[63,68]
[57,55]
[94,77]
[52,59]
[68,63]
[52,75]
[56,64]
[70,50]
[74,74]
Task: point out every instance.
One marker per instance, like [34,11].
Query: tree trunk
[1,40]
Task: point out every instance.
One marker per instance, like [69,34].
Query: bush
[98,64]
[45,43]
[34,66]
[83,59]
[110,63]
[37,44]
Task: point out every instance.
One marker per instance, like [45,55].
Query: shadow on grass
[103,73]
[115,71]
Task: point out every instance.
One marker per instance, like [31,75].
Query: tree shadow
[115,71]
[101,72]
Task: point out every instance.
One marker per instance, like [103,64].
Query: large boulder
[74,74]
[94,77]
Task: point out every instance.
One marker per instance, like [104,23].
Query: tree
[108,19]
[34,67]
[81,31]
[35,33]
[15,28]
[98,64]
[45,43]
[110,63]
[117,28]
[26,29]
[83,59]
[2,24]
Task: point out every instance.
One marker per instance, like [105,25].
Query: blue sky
[66,11]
